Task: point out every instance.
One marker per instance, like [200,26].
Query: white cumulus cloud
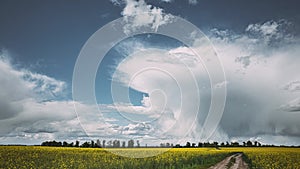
[139,14]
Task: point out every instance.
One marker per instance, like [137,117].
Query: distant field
[272,157]
[58,157]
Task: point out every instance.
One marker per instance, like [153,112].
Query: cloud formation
[292,86]
[27,113]
[292,106]
[261,65]
[271,32]
[139,14]
[255,71]
[20,85]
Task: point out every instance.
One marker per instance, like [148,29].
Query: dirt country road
[234,161]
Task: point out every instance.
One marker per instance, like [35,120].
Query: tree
[130,143]
[98,144]
[123,144]
[235,144]
[65,144]
[255,143]
[206,144]
[92,144]
[200,144]
[86,144]
[227,144]
[51,143]
[103,143]
[216,144]
[109,143]
[77,143]
[59,144]
[138,143]
[177,146]
[188,144]
[249,143]
[116,143]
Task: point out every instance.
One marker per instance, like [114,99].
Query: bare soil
[234,161]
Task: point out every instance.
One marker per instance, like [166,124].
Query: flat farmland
[59,157]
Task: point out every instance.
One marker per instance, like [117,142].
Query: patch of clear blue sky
[46,36]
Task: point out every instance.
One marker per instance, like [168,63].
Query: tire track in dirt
[234,161]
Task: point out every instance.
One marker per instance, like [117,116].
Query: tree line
[93,144]
[131,144]
[223,144]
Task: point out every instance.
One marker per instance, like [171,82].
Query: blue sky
[256,41]
[58,29]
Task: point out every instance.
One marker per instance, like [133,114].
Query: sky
[150,87]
